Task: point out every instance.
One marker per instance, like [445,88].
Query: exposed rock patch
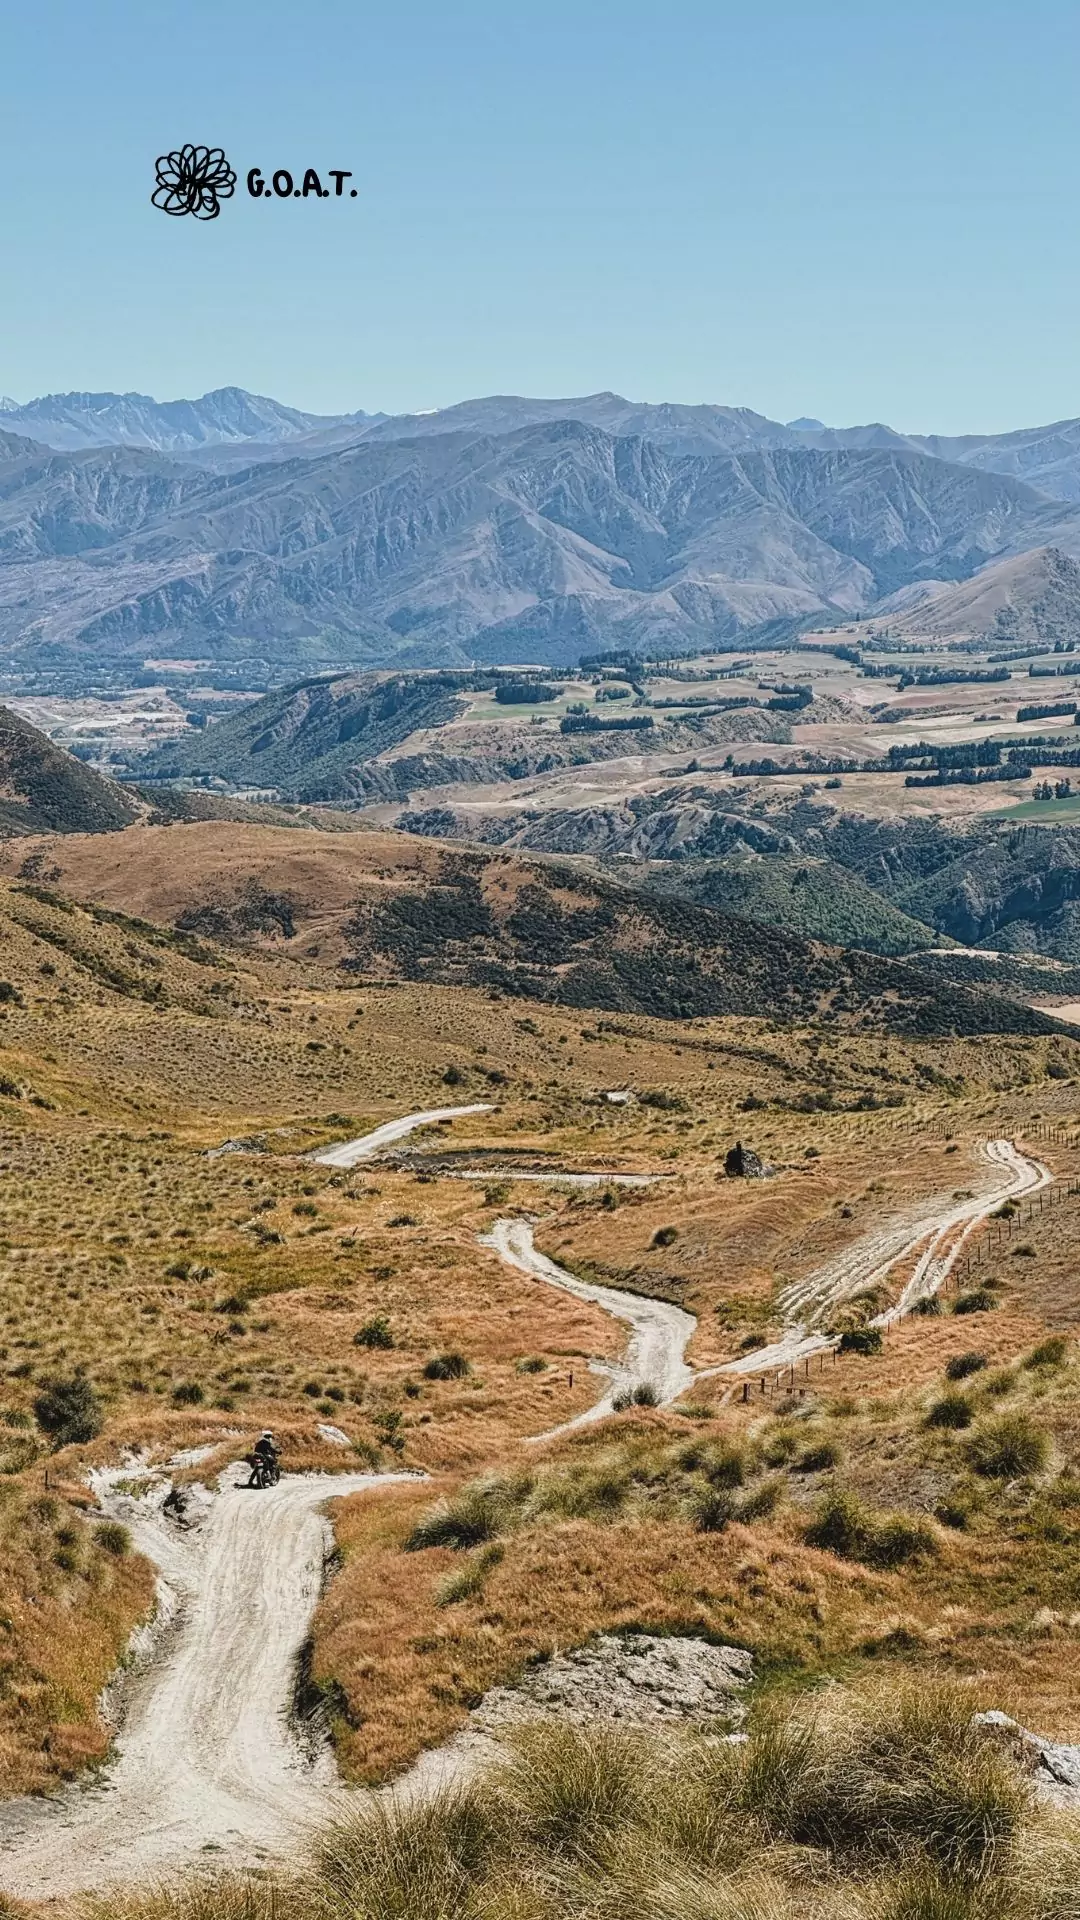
[1054,1767]
[637,1678]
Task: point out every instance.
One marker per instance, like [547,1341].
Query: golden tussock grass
[991,1593]
[882,1802]
[67,1606]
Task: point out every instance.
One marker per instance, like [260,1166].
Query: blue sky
[846,210]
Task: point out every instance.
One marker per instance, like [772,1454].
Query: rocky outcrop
[636,1678]
[742,1163]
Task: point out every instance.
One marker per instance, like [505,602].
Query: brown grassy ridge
[393,907]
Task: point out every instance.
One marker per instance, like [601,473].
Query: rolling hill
[378,906]
[1031,600]
[44,790]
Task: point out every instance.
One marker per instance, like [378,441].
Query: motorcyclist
[263,1455]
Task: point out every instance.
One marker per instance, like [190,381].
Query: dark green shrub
[1049,1353]
[69,1411]
[865,1340]
[760,1501]
[446,1366]
[113,1538]
[187,1394]
[1008,1447]
[963,1364]
[664,1236]
[952,1410]
[387,1426]
[712,1509]
[722,1462]
[374,1333]
[643,1395]
[478,1512]
[980,1300]
[845,1526]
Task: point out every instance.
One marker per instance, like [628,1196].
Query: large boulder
[742,1163]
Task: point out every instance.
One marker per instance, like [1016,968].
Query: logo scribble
[195,180]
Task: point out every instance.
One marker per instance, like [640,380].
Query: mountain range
[229,422]
[503,529]
[222,419]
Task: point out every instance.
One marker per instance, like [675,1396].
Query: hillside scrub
[845,1526]
[1006,1448]
[62,1644]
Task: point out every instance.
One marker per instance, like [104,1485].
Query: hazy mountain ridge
[456,546]
[70,421]
[219,426]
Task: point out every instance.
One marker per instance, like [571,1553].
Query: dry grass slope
[877,1804]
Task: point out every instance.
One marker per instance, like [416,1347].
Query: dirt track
[945,1232]
[659,1331]
[351,1152]
[207,1767]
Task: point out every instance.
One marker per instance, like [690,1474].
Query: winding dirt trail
[659,1332]
[351,1152]
[207,1767]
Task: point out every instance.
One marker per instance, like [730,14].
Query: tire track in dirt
[808,1303]
[206,1765]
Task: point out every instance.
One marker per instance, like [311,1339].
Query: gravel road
[351,1152]
[206,1764]
[659,1332]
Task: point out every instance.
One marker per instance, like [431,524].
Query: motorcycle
[264,1473]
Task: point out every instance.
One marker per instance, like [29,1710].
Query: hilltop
[43,789]
[1030,600]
